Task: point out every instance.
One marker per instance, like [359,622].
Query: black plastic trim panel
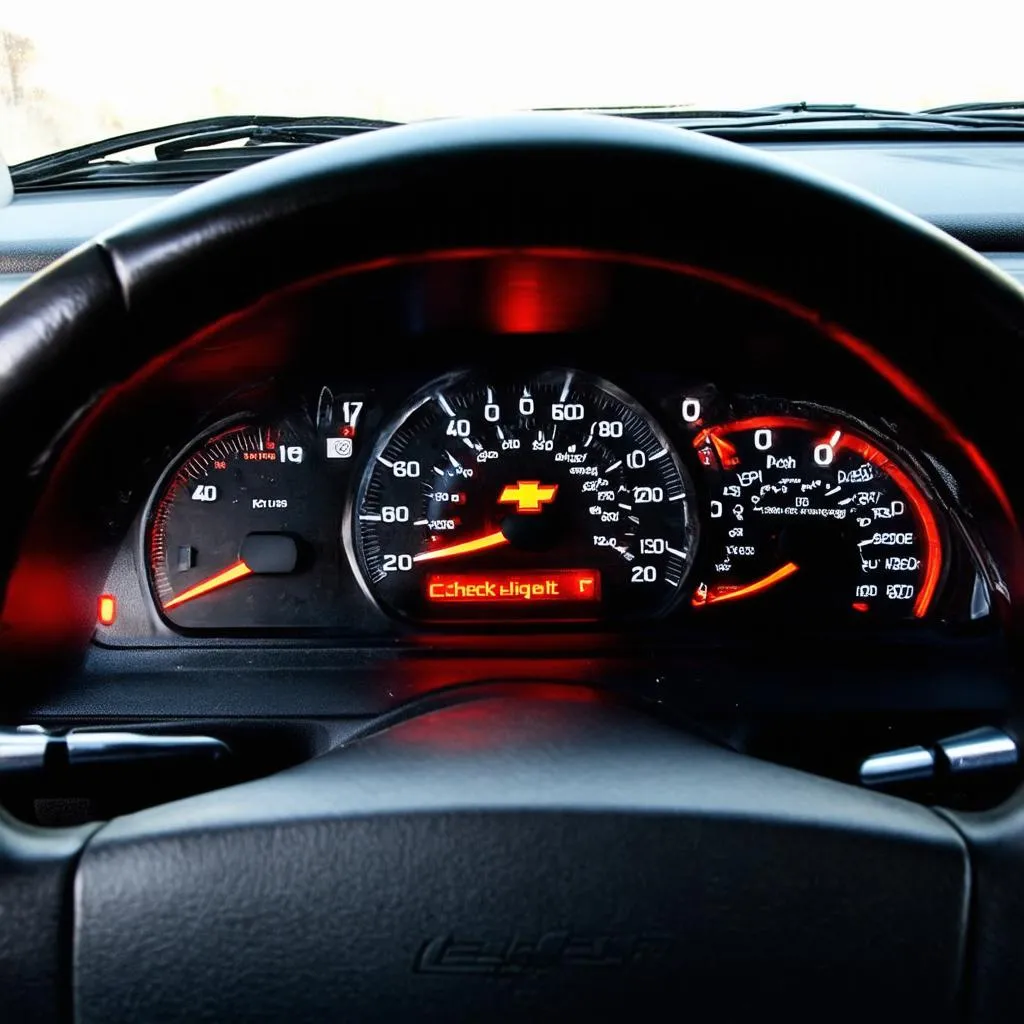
[329,681]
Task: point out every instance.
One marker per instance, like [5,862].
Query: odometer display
[555,497]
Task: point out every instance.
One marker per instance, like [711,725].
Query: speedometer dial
[555,497]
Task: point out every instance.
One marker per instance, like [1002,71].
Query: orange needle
[489,540]
[221,579]
[753,588]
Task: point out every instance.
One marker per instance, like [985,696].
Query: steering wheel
[540,852]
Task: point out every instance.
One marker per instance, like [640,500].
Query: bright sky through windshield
[100,68]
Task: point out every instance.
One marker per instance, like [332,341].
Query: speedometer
[550,498]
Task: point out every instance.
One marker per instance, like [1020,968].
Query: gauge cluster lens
[546,498]
[551,498]
[807,518]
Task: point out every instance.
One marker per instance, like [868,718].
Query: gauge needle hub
[466,547]
[716,596]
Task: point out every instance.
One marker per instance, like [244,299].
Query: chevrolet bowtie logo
[528,495]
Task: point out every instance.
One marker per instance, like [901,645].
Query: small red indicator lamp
[348,431]
[514,587]
[106,609]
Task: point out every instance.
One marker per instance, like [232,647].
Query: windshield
[73,72]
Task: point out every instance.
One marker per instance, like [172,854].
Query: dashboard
[426,472]
[647,458]
[969,189]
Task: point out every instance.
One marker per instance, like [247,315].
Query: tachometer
[555,497]
[240,536]
[805,515]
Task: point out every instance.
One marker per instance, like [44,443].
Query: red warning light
[106,609]
[347,431]
[514,587]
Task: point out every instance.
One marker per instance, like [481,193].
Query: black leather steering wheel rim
[878,903]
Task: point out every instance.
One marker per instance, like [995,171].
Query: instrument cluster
[556,498]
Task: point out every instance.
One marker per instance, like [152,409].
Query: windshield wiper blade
[298,132]
[990,108]
[877,121]
[787,116]
[174,139]
[769,110]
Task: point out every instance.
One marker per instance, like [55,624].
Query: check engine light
[514,587]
